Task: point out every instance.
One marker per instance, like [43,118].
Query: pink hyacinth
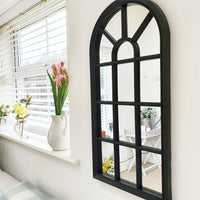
[58,69]
[60,73]
[58,80]
[62,63]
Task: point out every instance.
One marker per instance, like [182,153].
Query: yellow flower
[16,106]
[105,169]
[107,163]
[21,111]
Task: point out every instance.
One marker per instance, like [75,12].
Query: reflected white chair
[149,138]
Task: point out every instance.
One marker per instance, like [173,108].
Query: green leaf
[144,116]
[65,94]
[17,117]
[55,92]
[22,100]
[26,116]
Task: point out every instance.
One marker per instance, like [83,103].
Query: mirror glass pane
[127,164]
[106,83]
[108,159]
[150,80]
[126,82]
[105,50]
[126,123]
[151,171]
[125,51]
[106,121]
[149,41]
[114,26]
[135,16]
[151,126]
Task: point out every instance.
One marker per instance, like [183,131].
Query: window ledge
[39,143]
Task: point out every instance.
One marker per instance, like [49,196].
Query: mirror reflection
[106,121]
[126,82]
[125,51]
[127,164]
[151,127]
[106,83]
[105,50]
[150,136]
[149,41]
[151,171]
[114,26]
[135,17]
[150,81]
[126,115]
[149,44]
[108,166]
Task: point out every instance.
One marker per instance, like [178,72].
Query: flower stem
[22,130]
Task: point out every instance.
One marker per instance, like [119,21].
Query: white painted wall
[76,183]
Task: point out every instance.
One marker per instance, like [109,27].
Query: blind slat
[43,10]
[12,47]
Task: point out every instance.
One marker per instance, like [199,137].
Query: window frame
[165,152]
[18,68]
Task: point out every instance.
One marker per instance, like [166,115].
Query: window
[130,91]
[36,40]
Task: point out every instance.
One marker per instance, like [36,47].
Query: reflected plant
[108,165]
[148,112]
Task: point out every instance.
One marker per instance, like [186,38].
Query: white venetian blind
[29,45]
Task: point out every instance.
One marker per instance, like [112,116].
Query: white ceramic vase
[57,135]
[147,122]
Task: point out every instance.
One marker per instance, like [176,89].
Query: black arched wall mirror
[130,91]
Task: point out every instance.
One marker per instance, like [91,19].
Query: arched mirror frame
[164,56]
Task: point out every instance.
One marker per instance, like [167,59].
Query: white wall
[76,183]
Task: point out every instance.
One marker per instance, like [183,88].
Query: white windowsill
[39,143]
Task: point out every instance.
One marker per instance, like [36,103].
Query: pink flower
[58,80]
[60,73]
[3,110]
[58,64]
[7,110]
[62,63]
[58,69]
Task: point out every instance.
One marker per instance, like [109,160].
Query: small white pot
[57,135]
[147,122]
